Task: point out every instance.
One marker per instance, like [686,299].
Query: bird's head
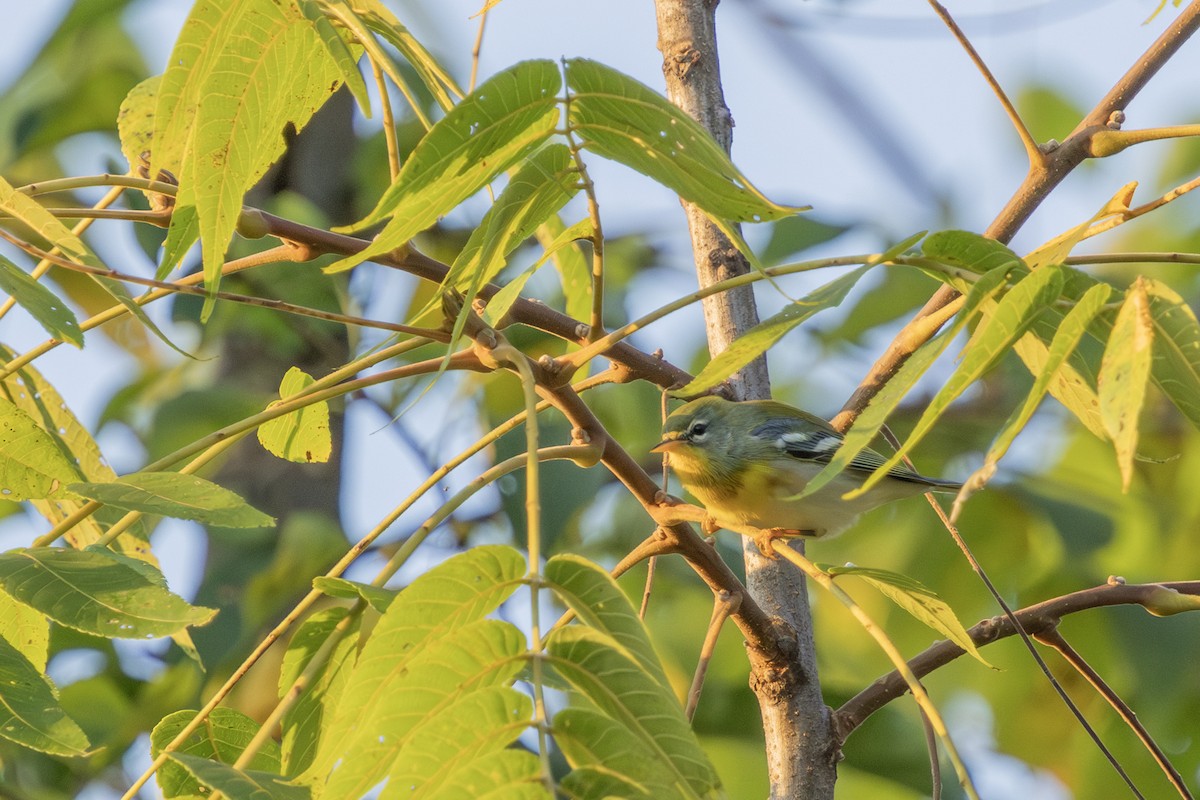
[697,432]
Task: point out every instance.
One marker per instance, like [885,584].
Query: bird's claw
[767,535]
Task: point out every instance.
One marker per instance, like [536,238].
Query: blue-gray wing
[818,442]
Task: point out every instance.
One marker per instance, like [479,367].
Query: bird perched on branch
[747,463]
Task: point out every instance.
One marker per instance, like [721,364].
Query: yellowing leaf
[1124,372]
[1058,248]
[240,75]
[32,465]
[1002,325]
[918,600]
[303,435]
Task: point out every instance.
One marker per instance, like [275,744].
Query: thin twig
[477,48]
[1028,642]
[44,265]
[1033,619]
[1031,147]
[388,120]
[1133,213]
[724,604]
[651,565]
[261,302]
[1052,637]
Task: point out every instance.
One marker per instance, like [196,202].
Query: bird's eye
[698,428]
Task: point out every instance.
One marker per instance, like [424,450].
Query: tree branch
[1043,176]
[1157,598]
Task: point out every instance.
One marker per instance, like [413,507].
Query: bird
[747,463]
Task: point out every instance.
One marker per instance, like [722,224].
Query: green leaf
[622,119]
[239,76]
[595,666]
[96,592]
[379,599]
[565,243]
[370,733]
[918,600]
[442,749]
[969,251]
[867,426]
[502,775]
[380,19]
[432,646]
[302,436]
[238,784]
[30,714]
[995,336]
[598,602]
[494,127]
[543,185]
[793,235]
[48,310]
[1072,329]
[171,494]
[305,721]
[342,53]
[606,761]
[1124,374]
[25,629]
[1176,348]
[223,735]
[764,335]
[34,395]
[540,188]
[32,464]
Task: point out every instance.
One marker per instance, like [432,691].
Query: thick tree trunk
[801,753]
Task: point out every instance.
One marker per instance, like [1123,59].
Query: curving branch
[1157,598]
[1043,176]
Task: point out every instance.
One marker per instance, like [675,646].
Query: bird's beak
[667,445]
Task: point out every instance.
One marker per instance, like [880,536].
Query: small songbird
[747,462]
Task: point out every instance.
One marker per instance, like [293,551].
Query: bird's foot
[767,535]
